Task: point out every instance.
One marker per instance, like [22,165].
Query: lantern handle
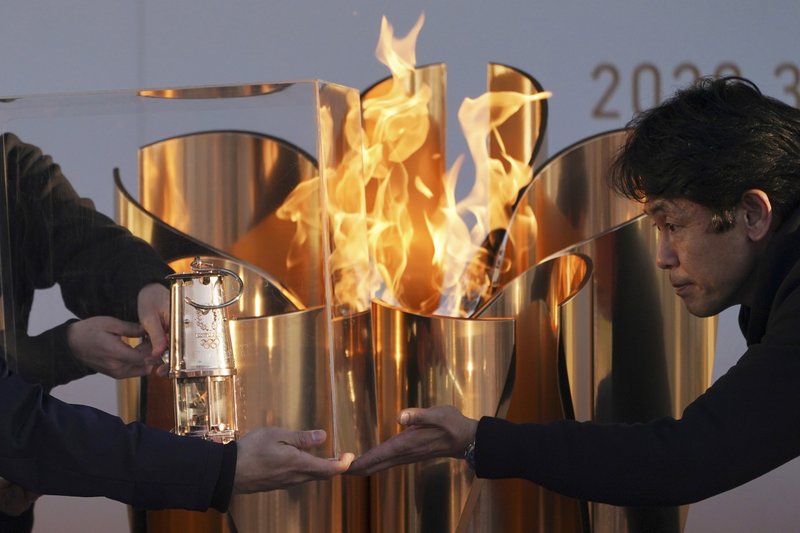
[202,267]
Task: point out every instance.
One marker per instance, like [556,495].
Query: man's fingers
[124,354]
[321,468]
[304,440]
[368,463]
[318,467]
[397,450]
[431,416]
[153,311]
[145,354]
[125,329]
[14,500]
[413,417]
[341,464]
[155,332]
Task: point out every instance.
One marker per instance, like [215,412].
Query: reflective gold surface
[223,189]
[422,361]
[523,133]
[347,269]
[231,91]
[632,351]
[354,381]
[571,201]
[416,366]
[282,368]
[597,333]
[502,363]
[299,364]
[536,300]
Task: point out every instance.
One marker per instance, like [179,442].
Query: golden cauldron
[553,340]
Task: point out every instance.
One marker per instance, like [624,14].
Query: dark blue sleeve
[50,447]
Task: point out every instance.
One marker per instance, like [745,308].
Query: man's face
[709,270]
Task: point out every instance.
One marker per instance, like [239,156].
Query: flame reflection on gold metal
[346,265]
[632,351]
[223,189]
[422,361]
[523,134]
[231,91]
[475,364]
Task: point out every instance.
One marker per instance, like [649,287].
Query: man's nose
[665,257]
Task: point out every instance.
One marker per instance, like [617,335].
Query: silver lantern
[201,361]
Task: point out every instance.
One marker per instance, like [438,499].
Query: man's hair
[710,143]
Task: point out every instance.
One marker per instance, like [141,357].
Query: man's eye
[666,226]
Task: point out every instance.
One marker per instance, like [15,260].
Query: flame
[294,209]
[490,202]
[345,213]
[398,129]
[349,263]
[458,258]
[397,231]
[399,55]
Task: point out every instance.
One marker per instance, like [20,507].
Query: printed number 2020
[646,84]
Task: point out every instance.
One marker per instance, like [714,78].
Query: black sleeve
[99,265]
[50,447]
[59,238]
[46,358]
[745,425]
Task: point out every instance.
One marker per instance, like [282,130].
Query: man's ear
[757,213]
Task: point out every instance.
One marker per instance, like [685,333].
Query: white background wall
[602,59]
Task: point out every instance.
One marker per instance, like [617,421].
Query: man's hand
[153,310]
[98,343]
[14,500]
[440,431]
[274,458]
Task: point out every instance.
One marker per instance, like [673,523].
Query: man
[717,168]
[114,283]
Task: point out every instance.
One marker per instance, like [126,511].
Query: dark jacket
[746,424]
[56,237]
[50,447]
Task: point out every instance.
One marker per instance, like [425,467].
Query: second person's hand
[98,343]
[275,458]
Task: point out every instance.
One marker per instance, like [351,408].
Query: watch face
[469,455]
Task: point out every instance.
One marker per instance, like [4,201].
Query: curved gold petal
[632,351]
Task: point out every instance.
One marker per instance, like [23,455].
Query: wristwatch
[469,455]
